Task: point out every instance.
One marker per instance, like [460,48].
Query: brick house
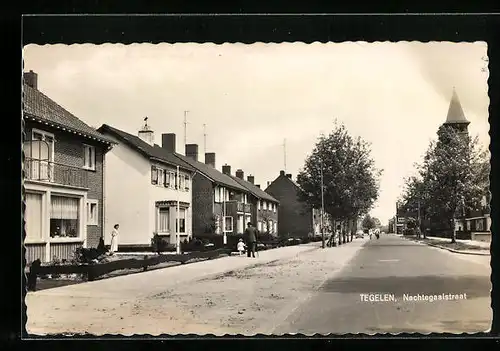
[295,218]
[63,178]
[147,190]
[220,204]
[264,206]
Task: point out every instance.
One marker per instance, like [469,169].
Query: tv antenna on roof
[205,138]
[185,127]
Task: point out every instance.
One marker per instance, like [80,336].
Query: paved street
[393,265]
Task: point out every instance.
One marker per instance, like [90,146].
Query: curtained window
[182,221]
[163,220]
[92,212]
[64,216]
[259,226]
[33,216]
[217,194]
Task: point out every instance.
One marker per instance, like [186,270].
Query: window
[275,227]
[217,194]
[186,182]
[258,205]
[92,212]
[163,220]
[182,221]
[182,182]
[228,225]
[64,217]
[40,151]
[259,226]
[270,226]
[160,177]
[154,175]
[265,205]
[89,157]
[33,216]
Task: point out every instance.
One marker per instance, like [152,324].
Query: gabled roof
[212,173]
[455,111]
[40,108]
[294,183]
[255,190]
[152,152]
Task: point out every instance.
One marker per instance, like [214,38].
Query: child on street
[241,246]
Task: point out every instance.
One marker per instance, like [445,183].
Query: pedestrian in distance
[240,247]
[250,239]
[114,239]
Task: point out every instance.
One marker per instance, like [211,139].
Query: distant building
[296,218]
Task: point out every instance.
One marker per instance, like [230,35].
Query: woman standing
[114,239]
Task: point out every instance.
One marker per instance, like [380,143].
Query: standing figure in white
[114,239]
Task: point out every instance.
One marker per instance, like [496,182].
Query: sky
[252,97]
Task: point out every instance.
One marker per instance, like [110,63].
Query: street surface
[392,265]
[299,289]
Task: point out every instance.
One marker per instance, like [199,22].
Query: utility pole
[322,209]
[205,138]
[185,127]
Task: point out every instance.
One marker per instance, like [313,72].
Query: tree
[350,179]
[451,180]
[368,222]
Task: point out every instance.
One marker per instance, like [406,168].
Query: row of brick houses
[79,181]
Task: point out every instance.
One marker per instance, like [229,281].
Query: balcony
[55,173]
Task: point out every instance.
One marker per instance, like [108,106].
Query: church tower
[456,117]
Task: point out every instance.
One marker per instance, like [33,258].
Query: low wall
[481,236]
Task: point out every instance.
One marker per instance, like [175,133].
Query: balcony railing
[51,172]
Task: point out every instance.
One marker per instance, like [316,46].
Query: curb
[458,251]
[452,250]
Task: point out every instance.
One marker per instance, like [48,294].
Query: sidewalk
[468,247]
[136,285]
[230,295]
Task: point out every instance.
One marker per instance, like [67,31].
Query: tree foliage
[369,222]
[350,179]
[451,180]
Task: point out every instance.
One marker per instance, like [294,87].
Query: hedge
[94,270]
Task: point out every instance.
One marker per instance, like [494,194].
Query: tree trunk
[453,232]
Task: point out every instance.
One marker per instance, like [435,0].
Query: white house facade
[147,191]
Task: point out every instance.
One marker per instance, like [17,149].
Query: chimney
[257,185]
[282,173]
[289,176]
[168,142]
[192,151]
[226,169]
[251,179]
[146,133]
[31,79]
[210,159]
[240,174]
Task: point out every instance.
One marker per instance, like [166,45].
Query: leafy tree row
[451,180]
[343,165]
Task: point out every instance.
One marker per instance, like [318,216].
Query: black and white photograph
[265,188]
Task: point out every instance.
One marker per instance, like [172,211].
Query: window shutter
[165,178]
[154,175]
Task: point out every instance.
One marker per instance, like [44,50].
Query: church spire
[455,112]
